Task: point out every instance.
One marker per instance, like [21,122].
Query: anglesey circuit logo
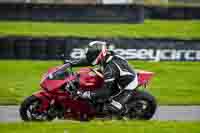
[148,54]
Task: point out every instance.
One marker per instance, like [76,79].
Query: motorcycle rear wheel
[142,106]
[28,110]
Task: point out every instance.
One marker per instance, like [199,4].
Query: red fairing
[52,92]
[54,84]
[47,84]
[144,77]
[89,80]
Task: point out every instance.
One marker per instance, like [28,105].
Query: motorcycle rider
[115,70]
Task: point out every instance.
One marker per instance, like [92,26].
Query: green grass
[174,83]
[102,127]
[187,29]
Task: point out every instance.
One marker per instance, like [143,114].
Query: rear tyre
[29,110]
[142,106]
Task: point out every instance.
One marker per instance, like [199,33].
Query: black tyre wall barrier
[22,48]
[7,48]
[94,13]
[50,48]
[156,12]
[38,48]
[192,14]
[55,47]
[72,13]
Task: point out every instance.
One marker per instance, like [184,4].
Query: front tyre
[142,106]
[29,110]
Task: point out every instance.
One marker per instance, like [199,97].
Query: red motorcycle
[58,97]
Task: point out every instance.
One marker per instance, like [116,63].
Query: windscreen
[61,73]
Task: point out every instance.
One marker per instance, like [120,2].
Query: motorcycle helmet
[96,52]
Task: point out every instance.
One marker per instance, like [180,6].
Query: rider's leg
[118,102]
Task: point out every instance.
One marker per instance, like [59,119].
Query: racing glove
[84,95]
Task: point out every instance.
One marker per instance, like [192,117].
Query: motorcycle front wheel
[142,106]
[29,110]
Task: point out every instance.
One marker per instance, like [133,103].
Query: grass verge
[175,82]
[102,127]
[185,29]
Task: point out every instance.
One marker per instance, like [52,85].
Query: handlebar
[63,58]
[68,61]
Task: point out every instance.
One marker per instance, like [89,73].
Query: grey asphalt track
[163,113]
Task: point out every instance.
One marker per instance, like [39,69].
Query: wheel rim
[141,107]
[33,113]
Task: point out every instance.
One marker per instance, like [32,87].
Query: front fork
[49,104]
[45,99]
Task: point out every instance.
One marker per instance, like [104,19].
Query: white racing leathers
[120,78]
